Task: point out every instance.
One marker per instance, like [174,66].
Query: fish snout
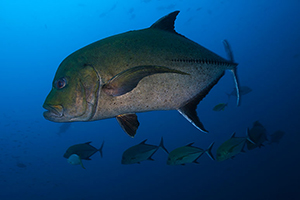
[53,111]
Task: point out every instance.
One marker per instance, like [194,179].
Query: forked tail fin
[100,149]
[235,78]
[208,151]
[161,144]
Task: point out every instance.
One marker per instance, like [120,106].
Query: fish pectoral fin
[127,80]
[129,123]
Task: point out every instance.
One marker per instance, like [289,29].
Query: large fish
[150,69]
[188,154]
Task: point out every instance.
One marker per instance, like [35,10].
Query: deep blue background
[35,36]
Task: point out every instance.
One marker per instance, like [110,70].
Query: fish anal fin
[188,110]
[150,159]
[127,80]
[195,161]
[129,123]
[233,135]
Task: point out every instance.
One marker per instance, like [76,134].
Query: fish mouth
[54,112]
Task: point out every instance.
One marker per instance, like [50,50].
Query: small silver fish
[231,147]
[141,152]
[220,107]
[84,150]
[188,154]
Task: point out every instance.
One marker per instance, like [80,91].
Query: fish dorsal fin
[166,23]
[190,144]
[88,143]
[233,135]
[143,141]
[129,123]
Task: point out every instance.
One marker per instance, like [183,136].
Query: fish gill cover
[36,36]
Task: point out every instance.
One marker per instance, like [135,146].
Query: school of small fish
[255,137]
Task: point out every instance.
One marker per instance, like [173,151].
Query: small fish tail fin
[161,145]
[100,149]
[233,70]
[248,137]
[208,151]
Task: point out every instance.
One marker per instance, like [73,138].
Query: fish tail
[100,149]
[208,151]
[161,144]
[233,70]
[248,137]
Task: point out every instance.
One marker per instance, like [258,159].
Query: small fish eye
[60,83]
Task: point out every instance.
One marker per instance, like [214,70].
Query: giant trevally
[231,147]
[84,150]
[257,135]
[141,152]
[220,107]
[150,69]
[188,154]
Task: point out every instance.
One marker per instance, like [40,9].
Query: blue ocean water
[37,35]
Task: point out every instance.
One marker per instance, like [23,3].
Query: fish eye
[60,83]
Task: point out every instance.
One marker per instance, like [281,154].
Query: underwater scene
[149,99]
